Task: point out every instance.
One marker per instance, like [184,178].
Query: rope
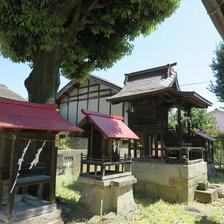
[27,139]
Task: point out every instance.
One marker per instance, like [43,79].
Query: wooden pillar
[129,148]
[87,106]
[2,159]
[53,173]
[91,142]
[189,125]
[162,145]
[179,126]
[12,175]
[156,146]
[135,149]
[212,151]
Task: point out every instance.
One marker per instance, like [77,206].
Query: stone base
[207,196]
[113,195]
[48,218]
[171,182]
[30,210]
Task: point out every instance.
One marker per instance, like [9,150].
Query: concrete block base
[171,182]
[113,195]
[207,196]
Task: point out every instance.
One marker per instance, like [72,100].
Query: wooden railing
[104,168]
[184,154]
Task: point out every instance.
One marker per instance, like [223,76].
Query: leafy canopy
[217,67]
[200,120]
[89,34]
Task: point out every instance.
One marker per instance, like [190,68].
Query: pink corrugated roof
[24,115]
[110,126]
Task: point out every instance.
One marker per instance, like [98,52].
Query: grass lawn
[149,211]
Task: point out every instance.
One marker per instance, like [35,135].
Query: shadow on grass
[218,178]
[206,220]
[146,201]
[75,186]
[72,211]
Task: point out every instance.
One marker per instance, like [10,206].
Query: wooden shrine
[28,159]
[151,94]
[107,176]
[169,162]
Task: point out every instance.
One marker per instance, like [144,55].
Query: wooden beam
[91,92]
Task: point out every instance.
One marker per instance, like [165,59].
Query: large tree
[217,67]
[73,37]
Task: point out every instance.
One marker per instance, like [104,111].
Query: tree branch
[78,18]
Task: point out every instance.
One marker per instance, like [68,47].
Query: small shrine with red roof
[28,158]
[106,176]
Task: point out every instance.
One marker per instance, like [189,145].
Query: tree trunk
[44,79]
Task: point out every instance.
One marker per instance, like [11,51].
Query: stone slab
[207,196]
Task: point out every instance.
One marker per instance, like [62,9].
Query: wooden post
[187,155]
[156,146]
[53,173]
[129,148]
[12,176]
[135,149]
[81,164]
[179,126]
[189,125]
[103,166]
[91,143]
[40,191]
[95,167]
[2,159]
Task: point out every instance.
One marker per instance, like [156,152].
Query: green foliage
[63,144]
[149,211]
[89,34]
[200,120]
[217,67]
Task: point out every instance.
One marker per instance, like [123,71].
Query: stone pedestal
[112,195]
[171,182]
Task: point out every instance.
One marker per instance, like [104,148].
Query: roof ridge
[151,69]
[87,113]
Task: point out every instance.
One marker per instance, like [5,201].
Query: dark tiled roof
[9,94]
[147,81]
[204,135]
[154,82]
[72,83]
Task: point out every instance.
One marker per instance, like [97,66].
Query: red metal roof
[110,126]
[32,116]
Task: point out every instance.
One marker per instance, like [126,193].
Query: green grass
[149,211]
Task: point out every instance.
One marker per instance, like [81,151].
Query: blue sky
[188,37]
